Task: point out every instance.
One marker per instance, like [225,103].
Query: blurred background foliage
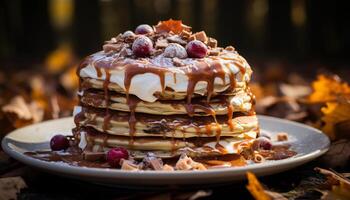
[292,30]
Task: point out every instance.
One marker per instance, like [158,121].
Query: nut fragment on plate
[186,163]
[282,136]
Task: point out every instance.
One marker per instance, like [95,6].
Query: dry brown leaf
[327,88]
[174,26]
[22,113]
[9,187]
[339,185]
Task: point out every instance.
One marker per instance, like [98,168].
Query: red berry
[59,142]
[142,46]
[144,29]
[115,155]
[262,143]
[196,49]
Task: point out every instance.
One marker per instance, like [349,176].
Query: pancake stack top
[167,91]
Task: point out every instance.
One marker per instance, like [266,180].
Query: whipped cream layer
[146,84]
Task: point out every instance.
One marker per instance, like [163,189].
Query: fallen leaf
[59,59]
[327,88]
[339,185]
[9,187]
[255,188]
[333,114]
[22,113]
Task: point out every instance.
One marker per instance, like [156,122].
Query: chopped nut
[125,52]
[161,43]
[94,156]
[212,42]
[201,36]
[282,136]
[230,48]
[112,47]
[153,162]
[175,50]
[214,52]
[186,163]
[112,41]
[177,62]
[129,165]
[176,39]
[192,37]
[167,167]
[185,34]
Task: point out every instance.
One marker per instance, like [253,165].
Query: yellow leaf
[333,113]
[327,88]
[255,188]
[59,59]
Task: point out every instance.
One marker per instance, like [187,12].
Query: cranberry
[196,49]
[142,46]
[59,142]
[262,143]
[144,29]
[115,155]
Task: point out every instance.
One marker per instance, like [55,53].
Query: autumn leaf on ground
[258,192]
[338,185]
[59,59]
[21,113]
[333,114]
[326,89]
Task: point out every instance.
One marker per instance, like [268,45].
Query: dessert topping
[115,155]
[59,142]
[174,26]
[262,143]
[176,39]
[144,29]
[175,50]
[201,36]
[196,49]
[142,46]
[161,43]
[128,34]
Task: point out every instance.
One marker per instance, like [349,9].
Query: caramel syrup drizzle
[201,72]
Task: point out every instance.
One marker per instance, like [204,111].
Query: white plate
[308,142]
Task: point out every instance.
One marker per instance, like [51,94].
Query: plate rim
[110,173]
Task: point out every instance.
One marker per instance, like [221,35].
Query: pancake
[166,147]
[239,102]
[177,126]
[173,98]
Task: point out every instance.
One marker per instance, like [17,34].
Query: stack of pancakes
[165,105]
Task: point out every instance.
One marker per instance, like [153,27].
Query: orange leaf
[174,26]
[327,88]
[334,113]
[255,188]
